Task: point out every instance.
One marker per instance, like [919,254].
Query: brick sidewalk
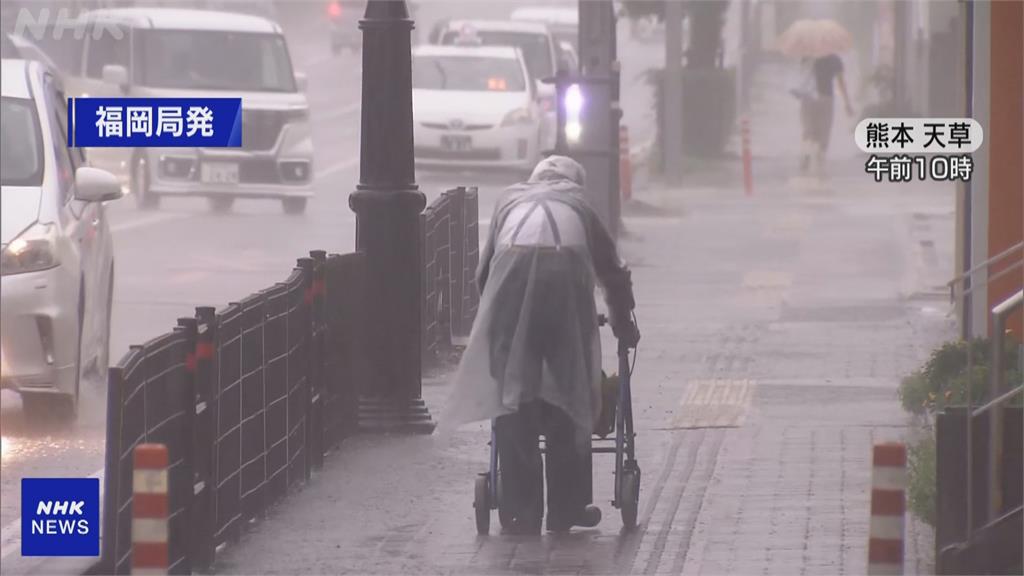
[775,328]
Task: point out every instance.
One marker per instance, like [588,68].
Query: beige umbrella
[814,38]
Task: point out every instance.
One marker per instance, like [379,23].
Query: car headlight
[518,116]
[35,249]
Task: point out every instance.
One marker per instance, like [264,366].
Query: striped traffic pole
[888,487]
[149,510]
[748,169]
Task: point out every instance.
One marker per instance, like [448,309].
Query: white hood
[250,100]
[443,106]
[19,210]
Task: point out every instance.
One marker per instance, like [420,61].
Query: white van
[167,52]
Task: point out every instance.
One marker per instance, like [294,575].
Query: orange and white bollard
[748,176]
[888,497]
[149,510]
[625,165]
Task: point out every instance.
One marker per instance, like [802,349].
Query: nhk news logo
[60,517]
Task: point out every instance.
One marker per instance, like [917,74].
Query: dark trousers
[522,471]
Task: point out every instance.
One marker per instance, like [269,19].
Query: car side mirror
[95,185]
[116,75]
[301,81]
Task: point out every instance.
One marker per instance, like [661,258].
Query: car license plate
[456,143]
[219,173]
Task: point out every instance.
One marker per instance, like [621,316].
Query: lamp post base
[394,415]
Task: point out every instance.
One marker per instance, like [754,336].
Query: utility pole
[900,32]
[672,94]
[599,67]
[387,203]
[746,75]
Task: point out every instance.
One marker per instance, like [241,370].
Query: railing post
[472,243]
[995,420]
[312,396]
[111,474]
[206,378]
[190,441]
[425,282]
[996,424]
[318,387]
[457,262]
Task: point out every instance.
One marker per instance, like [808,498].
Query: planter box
[953,554]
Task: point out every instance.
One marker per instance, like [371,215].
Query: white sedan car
[56,258]
[474,106]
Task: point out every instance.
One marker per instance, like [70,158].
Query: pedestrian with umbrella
[817,43]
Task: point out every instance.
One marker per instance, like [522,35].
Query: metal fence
[980,463]
[450,239]
[249,398]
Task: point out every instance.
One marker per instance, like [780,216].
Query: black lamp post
[387,203]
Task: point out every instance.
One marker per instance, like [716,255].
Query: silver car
[56,258]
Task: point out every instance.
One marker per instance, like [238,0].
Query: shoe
[517,528]
[589,517]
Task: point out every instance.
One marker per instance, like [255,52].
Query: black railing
[248,399]
[980,467]
[450,240]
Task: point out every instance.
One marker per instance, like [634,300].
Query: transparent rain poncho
[536,335]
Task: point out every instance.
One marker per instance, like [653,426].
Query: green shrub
[921,485]
[941,382]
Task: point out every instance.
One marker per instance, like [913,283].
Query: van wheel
[294,205]
[221,204]
[144,199]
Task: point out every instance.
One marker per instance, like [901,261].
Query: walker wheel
[630,498]
[482,503]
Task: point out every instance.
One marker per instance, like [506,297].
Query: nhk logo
[36,25]
[60,516]
[60,509]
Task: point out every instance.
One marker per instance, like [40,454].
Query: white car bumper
[515,147]
[236,174]
[275,164]
[39,339]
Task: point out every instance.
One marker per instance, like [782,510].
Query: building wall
[979,188]
[1006,147]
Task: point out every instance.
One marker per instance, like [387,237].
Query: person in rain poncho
[533,358]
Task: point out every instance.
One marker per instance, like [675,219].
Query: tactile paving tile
[714,404]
